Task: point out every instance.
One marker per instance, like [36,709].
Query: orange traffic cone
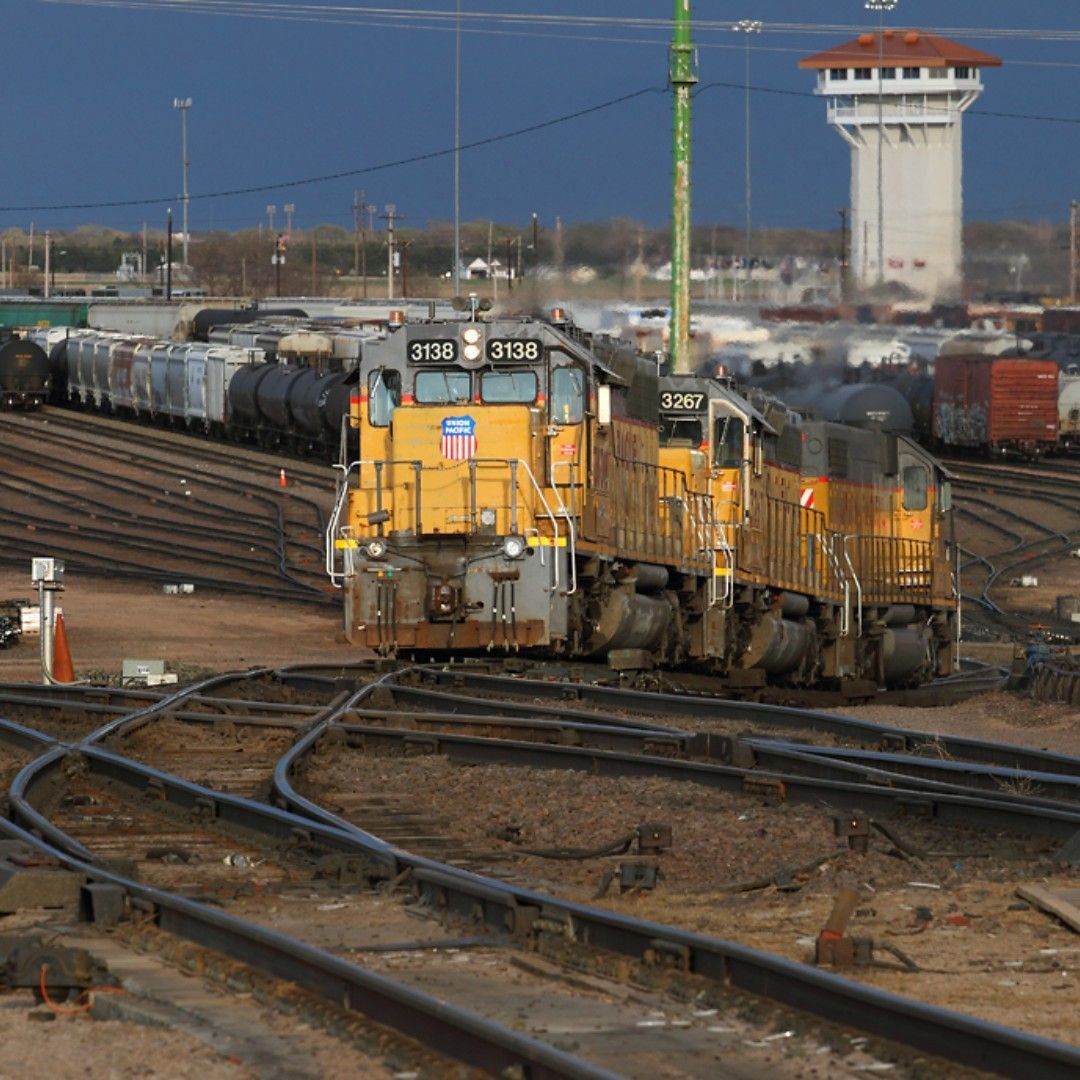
[282,482]
[62,668]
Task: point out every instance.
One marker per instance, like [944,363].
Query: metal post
[48,259]
[46,606]
[356,233]
[390,211]
[168,255]
[747,27]
[183,104]
[457,153]
[1074,251]
[290,209]
[881,6]
[682,75]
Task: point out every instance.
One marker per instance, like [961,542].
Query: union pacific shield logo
[458,438]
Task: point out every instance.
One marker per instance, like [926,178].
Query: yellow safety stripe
[546,541]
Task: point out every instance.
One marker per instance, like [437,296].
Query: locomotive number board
[433,350]
[523,350]
[671,401]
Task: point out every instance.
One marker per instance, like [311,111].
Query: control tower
[897,97]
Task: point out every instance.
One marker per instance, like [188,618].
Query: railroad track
[229,737]
[1041,525]
[159,514]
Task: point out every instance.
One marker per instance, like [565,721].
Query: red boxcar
[999,404]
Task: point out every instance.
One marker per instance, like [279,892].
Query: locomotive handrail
[855,578]
[334,523]
[838,572]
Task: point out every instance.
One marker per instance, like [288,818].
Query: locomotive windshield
[728,442]
[508,387]
[567,395]
[682,430]
[442,388]
[384,396]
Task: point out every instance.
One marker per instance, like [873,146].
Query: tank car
[25,374]
[1069,411]
[521,485]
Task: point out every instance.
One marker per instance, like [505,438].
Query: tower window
[911,73]
[939,73]
[888,73]
[838,74]
[863,73]
[963,73]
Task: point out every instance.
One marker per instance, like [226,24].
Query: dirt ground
[108,621]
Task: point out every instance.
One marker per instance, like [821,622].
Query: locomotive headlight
[376,548]
[472,347]
[514,547]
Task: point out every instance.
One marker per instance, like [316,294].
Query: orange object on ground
[62,667]
[282,482]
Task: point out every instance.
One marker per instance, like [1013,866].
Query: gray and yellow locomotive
[517,484]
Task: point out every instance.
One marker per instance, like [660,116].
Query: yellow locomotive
[516,484]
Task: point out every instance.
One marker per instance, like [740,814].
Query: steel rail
[443,1027]
[947,1034]
[753,714]
[927,1028]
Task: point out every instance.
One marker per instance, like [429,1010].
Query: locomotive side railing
[893,570]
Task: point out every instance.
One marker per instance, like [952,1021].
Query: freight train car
[24,372]
[509,490]
[1069,411]
[996,404]
[220,389]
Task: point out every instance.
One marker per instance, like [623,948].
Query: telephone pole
[183,104]
[391,213]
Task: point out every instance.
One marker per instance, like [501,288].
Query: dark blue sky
[88,113]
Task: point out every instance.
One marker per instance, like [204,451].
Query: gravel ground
[71,1046]
[951,913]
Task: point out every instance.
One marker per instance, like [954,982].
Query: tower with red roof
[898,97]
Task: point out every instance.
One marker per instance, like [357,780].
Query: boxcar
[996,404]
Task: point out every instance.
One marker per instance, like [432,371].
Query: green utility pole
[683,76]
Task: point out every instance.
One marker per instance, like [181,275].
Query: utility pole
[509,264]
[168,255]
[1074,251]
[271,210]
[749,27]
[682,76]
[145,265]
[356,233]
[183,104]
[492,276]
[314,262]
[290,209]
[457,152]
[843,212]
[535,241]
[48,256]
[391,211]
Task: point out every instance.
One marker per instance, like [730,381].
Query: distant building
[904,92]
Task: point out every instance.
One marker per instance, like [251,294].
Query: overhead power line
[327,177]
